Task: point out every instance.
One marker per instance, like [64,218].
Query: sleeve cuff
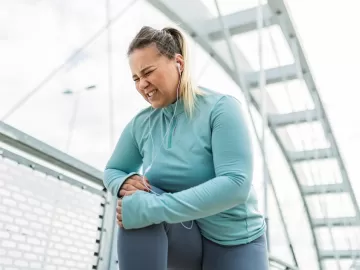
[121,182]
[140,210]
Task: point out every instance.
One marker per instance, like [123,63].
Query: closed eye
[148,73]
[145,75]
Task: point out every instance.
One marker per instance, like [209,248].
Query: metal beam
[278,262]
[342,254]
[48,171]
[323,189]
[108,232]
[298,174]
[311,155]
[238,23]
[284,20]
[280,120]
[341,221]
[38,149]
[272,75]
[192,22]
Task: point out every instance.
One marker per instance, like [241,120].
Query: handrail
[48,171]
[39,156]
[38,149]
[282,263]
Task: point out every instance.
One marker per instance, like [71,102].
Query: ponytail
[188,91]
[169,42]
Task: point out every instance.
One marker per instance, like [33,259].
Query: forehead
[141,58]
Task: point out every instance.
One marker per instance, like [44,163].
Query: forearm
[212,197]
[114,178]
[124,162]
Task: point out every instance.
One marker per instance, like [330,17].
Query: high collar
[177,107]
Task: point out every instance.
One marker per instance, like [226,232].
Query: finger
[119,223]
[130,193]
[138,184]
[142,185]
[118,210]
[119,203]
[118,217]
[125,192]
[129,185]
[141,179]
[136,177]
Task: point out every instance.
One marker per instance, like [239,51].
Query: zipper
[171,133]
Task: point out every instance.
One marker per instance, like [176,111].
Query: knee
[147,237]
[149,232]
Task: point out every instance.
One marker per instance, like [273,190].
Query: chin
[157,105]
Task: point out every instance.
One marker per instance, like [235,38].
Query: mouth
[150,94]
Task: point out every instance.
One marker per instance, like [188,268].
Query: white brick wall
[45,223]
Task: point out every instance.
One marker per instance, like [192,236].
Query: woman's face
[156,76]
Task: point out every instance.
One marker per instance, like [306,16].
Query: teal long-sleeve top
[204,164]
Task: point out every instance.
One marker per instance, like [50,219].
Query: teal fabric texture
[203,163]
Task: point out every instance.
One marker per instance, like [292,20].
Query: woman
[195,207]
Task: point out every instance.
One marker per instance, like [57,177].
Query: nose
[143,84]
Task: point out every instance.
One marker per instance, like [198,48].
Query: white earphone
[178,66]
[154,157]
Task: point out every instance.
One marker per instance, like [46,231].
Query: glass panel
[345,238]
[355,264]
[287,97]
[275,47]
[305,136]
[256,94]
[344,265]
[55,39]
[65,29]
[330,205]
[221,82]
[324,239]
[221,48]
[279,246]
[289,198]
[318,172]
[230,6]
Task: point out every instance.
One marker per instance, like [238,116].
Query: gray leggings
[171,246]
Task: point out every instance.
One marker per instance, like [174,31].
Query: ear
[179,59]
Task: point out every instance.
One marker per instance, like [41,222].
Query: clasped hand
[129,187]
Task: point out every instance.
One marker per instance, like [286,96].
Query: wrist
[122,182]
[140,210]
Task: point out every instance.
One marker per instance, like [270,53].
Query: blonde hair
[170,41]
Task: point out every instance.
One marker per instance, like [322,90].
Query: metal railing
[54,210]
